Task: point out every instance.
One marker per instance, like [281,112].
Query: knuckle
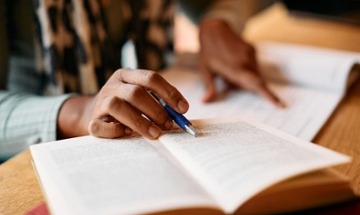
[135,92]
[110,103]
[172,93]
[118,72]
[151,77]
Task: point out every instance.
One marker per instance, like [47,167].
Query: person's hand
[223,53]
[122,106]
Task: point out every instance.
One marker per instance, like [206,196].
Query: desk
[341,132]
[19,190]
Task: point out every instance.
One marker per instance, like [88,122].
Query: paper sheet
[234,160]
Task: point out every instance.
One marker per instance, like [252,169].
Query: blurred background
[345,12]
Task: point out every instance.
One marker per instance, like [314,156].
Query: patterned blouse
[50,50]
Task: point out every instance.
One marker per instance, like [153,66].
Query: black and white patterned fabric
[74,52]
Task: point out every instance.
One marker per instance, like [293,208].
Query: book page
[311,67]
[306,112]
[234,160]
[89,175]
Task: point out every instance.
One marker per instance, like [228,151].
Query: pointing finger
[210,91]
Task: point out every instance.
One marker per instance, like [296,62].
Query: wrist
[74,117]
[211,24]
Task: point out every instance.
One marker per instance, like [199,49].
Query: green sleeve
[26,119]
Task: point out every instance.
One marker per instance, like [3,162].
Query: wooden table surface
[342,131]
[19,190]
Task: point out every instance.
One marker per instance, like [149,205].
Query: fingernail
[182,106]
[154,132]
[168,124]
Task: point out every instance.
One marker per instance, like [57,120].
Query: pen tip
[189,129]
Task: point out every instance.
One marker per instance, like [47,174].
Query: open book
[234,165]
[311,81]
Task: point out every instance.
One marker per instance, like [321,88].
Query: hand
[123,105]
[223,53]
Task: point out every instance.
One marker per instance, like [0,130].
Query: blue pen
[178,118]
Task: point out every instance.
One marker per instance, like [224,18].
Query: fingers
[254,82]
[138,97]
[125,100]
[266,93]
[130,116]
[249,80]
[156,84]
[234,59]
[127,105]
[210,91]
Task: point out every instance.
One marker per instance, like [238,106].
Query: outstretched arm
[223,51]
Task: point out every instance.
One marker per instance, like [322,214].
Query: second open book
[310,80]
[232,165]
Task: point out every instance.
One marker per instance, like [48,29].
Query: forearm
[234,12]
[26,119]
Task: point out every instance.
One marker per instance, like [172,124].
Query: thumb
[104,127]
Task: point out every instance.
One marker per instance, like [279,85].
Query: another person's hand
[122,106]
[223,53]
